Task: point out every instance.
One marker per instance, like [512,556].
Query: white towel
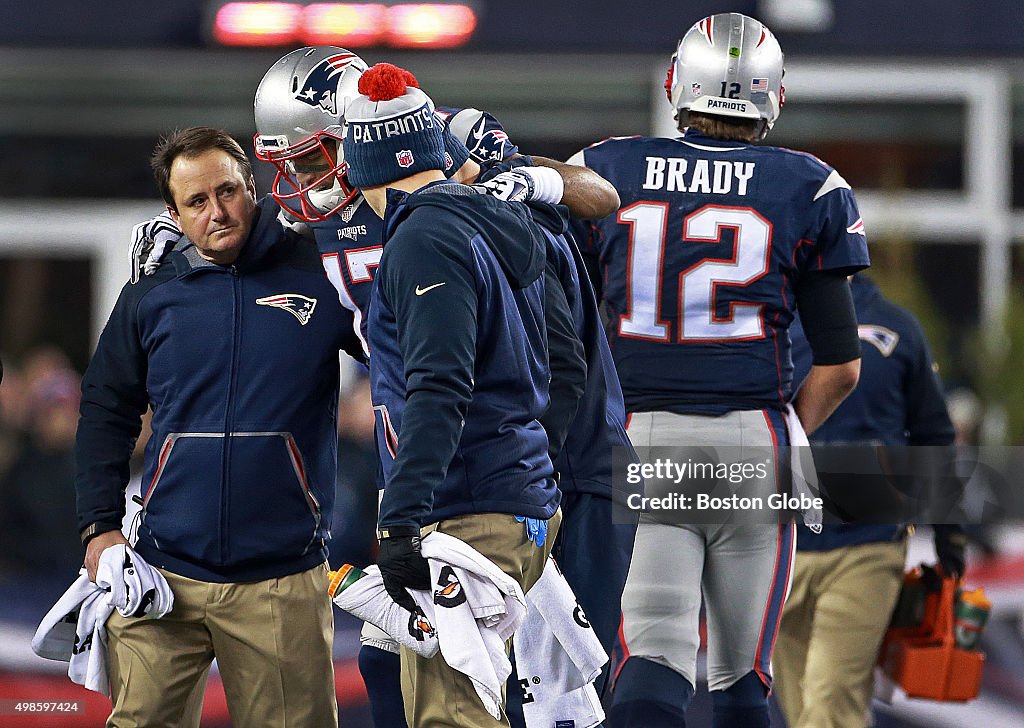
[74,630]
[362,594]
[475,607]
[558,657]
[805,477]
[471,612]
[136,588]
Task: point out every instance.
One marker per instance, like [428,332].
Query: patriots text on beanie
[391,130]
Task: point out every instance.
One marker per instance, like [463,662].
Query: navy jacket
[459,362]
[898,400]
[584,463]
[240,366]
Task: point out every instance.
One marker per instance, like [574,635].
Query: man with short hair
[716,244]
[459,371]
[234,345]
[302,138]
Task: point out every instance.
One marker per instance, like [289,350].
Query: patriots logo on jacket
[299,306]
[320,86]
[857,228]
[881,338]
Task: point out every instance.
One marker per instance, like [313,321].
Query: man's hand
[402,567]
[150,241]
[950,547]
[96,546]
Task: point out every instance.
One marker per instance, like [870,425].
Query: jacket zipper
[165,454]
[236,334]
[311,500]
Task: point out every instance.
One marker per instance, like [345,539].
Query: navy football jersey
[350,247]
[699,264]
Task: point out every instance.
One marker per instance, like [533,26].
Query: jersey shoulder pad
[817,173]
[605,146]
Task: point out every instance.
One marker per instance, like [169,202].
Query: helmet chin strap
[326,200]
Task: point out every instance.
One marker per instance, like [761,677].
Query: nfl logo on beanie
[391,131]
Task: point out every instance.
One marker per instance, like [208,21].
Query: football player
[299,112]
[717,243]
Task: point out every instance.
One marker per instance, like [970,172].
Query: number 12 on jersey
[698,284]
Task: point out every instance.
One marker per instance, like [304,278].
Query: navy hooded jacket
[459,358]
[584,463]
[898,400]
[240,366]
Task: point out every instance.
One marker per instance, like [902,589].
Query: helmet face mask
[311,183]
[300,119]
[728,65]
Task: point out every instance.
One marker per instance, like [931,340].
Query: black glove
[402,567]
[950,543]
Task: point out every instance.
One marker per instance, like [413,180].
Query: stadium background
[919,105]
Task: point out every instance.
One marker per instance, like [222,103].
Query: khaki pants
[832,628]
[272,640]
[434,694]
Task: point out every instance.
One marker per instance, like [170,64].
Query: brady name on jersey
[705,250]
[704,176]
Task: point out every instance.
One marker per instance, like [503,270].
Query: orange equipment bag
[919,652]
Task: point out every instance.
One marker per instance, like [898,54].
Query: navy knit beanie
[391,131]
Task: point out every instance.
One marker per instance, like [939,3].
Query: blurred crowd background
[919,106]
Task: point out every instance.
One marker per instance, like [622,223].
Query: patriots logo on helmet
[405,158]
[883,339]
[320,86]
[493,145]
[489,145]
[299,306]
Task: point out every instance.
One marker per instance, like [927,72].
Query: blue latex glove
[536,529]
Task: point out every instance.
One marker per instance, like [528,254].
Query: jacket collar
[397,205]
[264,238]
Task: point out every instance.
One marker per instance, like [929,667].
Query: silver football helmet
[300,120]
[728,65]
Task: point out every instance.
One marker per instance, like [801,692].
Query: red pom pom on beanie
[385,81]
